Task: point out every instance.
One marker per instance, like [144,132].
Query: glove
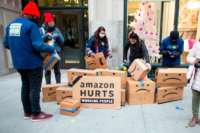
[47,38]
[56,37]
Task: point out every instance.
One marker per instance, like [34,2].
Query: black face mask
[36,21]
[51,29]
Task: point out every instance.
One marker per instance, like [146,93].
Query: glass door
[70,22]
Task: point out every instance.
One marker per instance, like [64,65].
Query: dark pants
[195,102]
[57,74]
[30,92]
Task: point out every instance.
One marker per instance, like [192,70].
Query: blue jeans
[30,91]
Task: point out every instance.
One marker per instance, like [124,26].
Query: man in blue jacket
[24,40]
[171,49]
[49,29]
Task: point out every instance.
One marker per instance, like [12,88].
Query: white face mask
[102,35]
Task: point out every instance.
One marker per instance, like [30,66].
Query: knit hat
[48,17]
[31,9]
[174,35]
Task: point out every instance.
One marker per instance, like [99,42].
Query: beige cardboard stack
[49,92]
[141,90]
[170,84]
[70,107]
[117,73]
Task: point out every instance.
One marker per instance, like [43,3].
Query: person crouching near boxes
[194,59]
[98,43]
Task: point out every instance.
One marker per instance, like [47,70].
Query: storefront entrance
[152,21]
[72,19]
[70,23]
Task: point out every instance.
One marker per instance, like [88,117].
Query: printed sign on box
[98,92]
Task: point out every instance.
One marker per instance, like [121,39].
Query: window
[62,3]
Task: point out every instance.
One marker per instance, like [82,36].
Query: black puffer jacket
[137,50]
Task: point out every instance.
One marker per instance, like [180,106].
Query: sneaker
[193,122]
[41,116]
[27,116]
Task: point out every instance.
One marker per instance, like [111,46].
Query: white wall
[109,13]
[7,13]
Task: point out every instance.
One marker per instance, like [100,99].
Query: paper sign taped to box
[98,92]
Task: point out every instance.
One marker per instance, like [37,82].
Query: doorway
[71,24]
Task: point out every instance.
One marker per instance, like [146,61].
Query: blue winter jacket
[103,47]
[168,48]
[56,35]
[24,40]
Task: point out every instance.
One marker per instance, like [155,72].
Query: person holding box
[98,43]
[137,48]
[49,30]
[24,40]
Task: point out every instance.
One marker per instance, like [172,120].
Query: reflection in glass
[52,3]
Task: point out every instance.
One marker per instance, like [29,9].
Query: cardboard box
[70,107]
[49,92]
[73,74]
[101,60]
[167,94]
[62,93]
[50,61]
[123,97]
[90,61]
[98,92]
[171,76]
[138,70]
[141,92]
[97,61]
[121,74]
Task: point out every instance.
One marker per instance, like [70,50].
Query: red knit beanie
[31,9]
[48,17]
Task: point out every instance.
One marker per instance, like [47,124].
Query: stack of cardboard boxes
[141,90]
[170,84]
[49,92]
[70,107]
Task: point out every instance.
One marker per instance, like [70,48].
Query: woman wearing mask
[137,49]
[98,43]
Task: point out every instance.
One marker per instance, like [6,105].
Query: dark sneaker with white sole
[27,116]
[41,116]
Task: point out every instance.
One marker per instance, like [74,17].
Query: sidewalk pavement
[156,118]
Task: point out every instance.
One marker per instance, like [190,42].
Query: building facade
[78,20]
[9,9]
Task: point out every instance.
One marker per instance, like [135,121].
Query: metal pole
[176,14]
[125,23]
[161,21]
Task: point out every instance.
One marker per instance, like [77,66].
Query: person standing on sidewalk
[49,29]
[171,49]
[98,43]
[137,48]
[24,40]
[194,59]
